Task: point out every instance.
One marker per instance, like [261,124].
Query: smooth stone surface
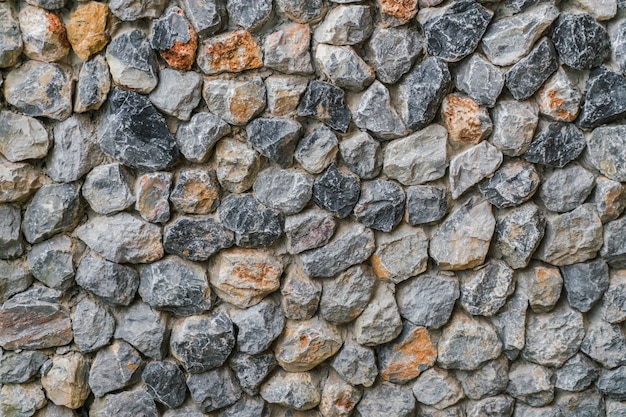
[177,93]
[165,382]
[112,282]
[196,238]
[317,149]
[380,322]
[581,42]
[345,25]
[555,144]
[479,79]
[376,114]
[254,224]
[325,102]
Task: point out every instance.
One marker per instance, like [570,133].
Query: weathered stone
[485,289]
[614,301]
[588,402]
[325,102]
[125,404]
[510,325]
[21,400]
[53,261]
[287,50]
[107,189]
[20,367]
[114,367]
[237,165]
[579,183]
[197,137]
[196,238]
[338,397]
[65,382]
[467,343]
[132,61]
[206,16]
[122,238]
[87,29]
[462,240]
[437,388]
[336,191]
[129,10]
[284,92]
[11,36]
[213,389]
[11,242]
[608,196]
[300,294]
[178,93]
[508,39]
[302,11]
[428,299]
[618,44]
[18,180]
[559,98]
[401,254]
[471,166]
[577,374]
[296,390]
[615,408]
[356,364]
[40,89]
[518,234]
[235,101]
[92,324]
[555,144]
[55,208]
[230,52]
[343,66]
[487,381]
[531,384]
[258,326]
[15,279]
[380,205]
[135,133]
[143,328]
[245,406]
[345,297]
[605,151]
[362,155]
[201,343]
[274,138]
[529,73]
[113,283]
[305,344]
[514,126]
[542,285]
[425,204]
[308,230]
[165,383]
[479,79]
[380,322]
[94,83]
[602,10]
[43,34]
[571,237]
[605,343]
[175,39]
[611,383]
[376,114]
[243,277]
[195,191]
[152,193]
[317,150]
[254,224]
[514,183]
[501,405]
[247,15]
[603,101]
[392,52]
[387,399]
[466,121]
[408,356]
[251,370]
[418,158]
[585,283]
[345,25]
[22,137]
[581,42]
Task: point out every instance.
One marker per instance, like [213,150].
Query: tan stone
[404,10]
[405,359]
[284,92]
[338,397]
[66,382]
[196,191]
[542,286]
[237,165]
[87,29]
[230,52]
[18,180]
[466,121]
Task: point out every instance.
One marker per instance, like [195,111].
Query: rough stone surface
[235,101]
[581,42]
[603,101]
[611,383]
[401,254]
[165,383]
[613,249]
[380,205]
[428,300]
[287,50]
[258,326]
[237,165]
[559,98]
[579,182]
[12,44]
[605,343]
[22,137]
[231,52]
[325,102]
[142,327]
[274,138]
[196,238]
[87,30]
[175,39]
[577,374]
[510,324]
[425,204]
[605,151]
[608,195]
[284,92]
[251,370]
[22,399]
[197,137]
[65,382]
[479,79]
[302,11]
[356,364]
[437,388]
[296,390]
[531,384]
[514,183]
[518,234]
[43,34]
[113,367]
[214,389]
[542,286]
[152,191]
[107,189]
[344,298]
[18,180]
[345,25]
[125,404]
[93,85]
[254,224]
[471,166]
[485,290]
[127,10]
[392,52]
[407,356]
[514,126]
[195,191]
[206,16]
[18,368]
[53,261]
[132,62]
[376,114]
[343,66]
[300,294]
[376,401]
[112,282]
[11,241]
[93,325]
[613,302]
[585,283]
[487,381]
[178,93]
[555,144]
[380,322]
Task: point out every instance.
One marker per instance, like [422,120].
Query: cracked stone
[479,79]
[325,102]
[472,166]
[518,234]
[195,191]
[143,328]
[614,302]
[380,205]
[376,114]
[253,223]
[484,291]
[165,383]
[526,77]
[603,100]
[230,52]
[336,191]
[514,183]
[581,42]
[407,357]
[555,144]
[393,51]
[196,238]
[93,85]
[132,62]
[467,122]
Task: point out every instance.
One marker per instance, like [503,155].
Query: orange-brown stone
[403,10]
[230,52]
[466,121]
[407,357]
[88,27]
[182,55]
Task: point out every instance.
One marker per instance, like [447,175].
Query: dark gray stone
[300,294]
[387,399]
[125,404]
[206,16]
[581,42]
[113,368]
[336,191]
[392,52]
[380,205]
[531,384]
[325,102]
[258,326]
[274,138]
[362,155]
[485,289]
[529,73]
[214,389]
[511,185]
[612,383]
[518,234]
[577,374]
[317,150]
[170,28]
[614,248]
[93,325]
[585,283]
[618,44]
[479,79]
[10,37]
[605,343]
[347,295]
[93,85]
[15,279]
[286,190]
[11,242]
[555,144]
[428,300]
[251,370]
[566,188]
[245,406]
[604,98]
[165,382]
[488,381]
[107,189]
[112,282]
[197,137]
[510,324]
[425,204]
[53,261]
[143,328]
[132,62]
[20,367]
[376,114]
[253,223]
[196,238]
[607,151]
[135,133]
[356,364]
[248,15]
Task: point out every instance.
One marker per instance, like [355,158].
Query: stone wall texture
[312,208]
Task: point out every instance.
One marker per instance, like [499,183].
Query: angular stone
[305,344]
[380,205]
[302,11]
[213,389]
[531,384]
[605,343]
[585,283]
[376,114]
[589,401]
[614,301]
[508,39]
[15,279]
[608,197]
[254,224]
[466,121]
[479,79]
[542,285]
[362,155]
[40,89]
[92,324]
[176,285]
[165,383]
[510,325]
[615,408]
[125,404]
[487,381]
[235,101]
[114,367]
[308,230]
[400,254]
[417,158]
[11,241]
[338,397]
[251,370]
[87,29]
[514,126]
[514,183]
[581,42]
[613,250]
[201,343]
[579,183]
[206,16]
[20,367]
[437,388]
[249,16]
[317,150]
[559,98]
[501,405]
[22,137]
[22,400]
[397,13]
[387,399]
[258,326]
[245,406]
[518,234]
[571,237]
[128,10]
[425,204]
[243,277]
[345,25]
[618,44]
[195,191]
[93,85]
[18,180]
[197,137]
[407,356]
[428,300]
[325,102]
[603,100]
[196,238]
[392,52]
[43,34]
[345,297]
[143,328]
[562,324]
[52,410]
[300,295]
[53,261]
[230,52]
[11,36]
[473,165]
[462,240]
[132,61]
[611,383]
[274,138]
[65,381]
[284,92]
[577,374]
[602,10]
[380,322]
[336,191]
[152,192]
[107,189]
[605,151]
[525,77]
[555,144]
[135,133]
[237,165]
[175,39]
[178,93]
[122,238]
[484,290]
[296,390]
[467,343]
[356,364]
[419,94]
[350,246]
[287,50]
[113,283]
[343,66]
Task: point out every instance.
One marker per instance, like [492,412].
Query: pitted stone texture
[396,13]
[213,389]
[555,144]
[336,191]
[206,16]
[614,301]
[258,326]
[618,44]
[274,138]
[589,401]
[65,382]
[606,151]
[237,165]
[479,79]
[22,137]
[195,191]
[251,370]
[513,184]
[611,383]
[125,404]
[22,399]
[605,343]
[113,283]
[380,205]
[245,405]
[608,197]
[107,189]
[93,325]
[152,193]
[614,250]
[559,98]
[577,374]
[343,66]
[12,44]
[16,278]
[284,92]
[243,277]
[230,52]
[196,238]
[428,300]
[113,368]
[615,408]
[287,50]
[403,359]
[514,124]
[525,77]
[437,388]
[531,384]
[317,150]
[197,137]
[502,405]
[417,158]
[308,230]
[467,122]
[603,100]
[380,322]
[300,294]
[93,85]
[542,286]
[254,224]
[376,114]
[302,11]
[345,297]
[581,42]
[345,25]
[518,234]
[40,89]
[130,11]
[387,399]
[484,290]
[325,102]
[175,39]
[392,51]
[250,16]
[18,180]
[578,181]
[43,34]
[400,254]
[510,324]
[165,383]
[235,101]
[87,29]
[178,93]
[20,367]
[488,381]
[142,327]
[132,62]
[585,283]
[356,364]
[53,261]
[473,165]
[296,390]
[11,241]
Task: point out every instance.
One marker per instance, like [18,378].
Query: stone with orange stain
[196,191]
[518,233]
[43,34]
[113,368]
[175,39]
[88,27]
[287,50]
[466,121]
[338,397]
[400,254]
[559,98]
[230,52]
[237,164]
[407,356]
[243,277]
[235,101]
[609,198]
[403,10]
[152,191]
[305,344]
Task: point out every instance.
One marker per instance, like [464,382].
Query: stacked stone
[313,208]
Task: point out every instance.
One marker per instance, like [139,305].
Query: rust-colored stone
[196,191]
[230,52]
[408,357]
[379,269]
[466,121]
[403,10]
[182,55]
[87,29]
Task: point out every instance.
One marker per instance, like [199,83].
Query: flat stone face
[392,52]
[345,25]
[559,98]
[347,295]
[555,144]
[55,208]
[178,93]
[206,16]
[258,326]
[526,76]
[296,390]
[380,322]
[107,189]
[336,191]
[251,370]
[343,66]
[46,45]
[165,382]
[66,381]
[18,368]
[237,165]
[471,166]
[287,50]
[380,205]
[602,101]
[613,249]
[400,254]
[248,16]
[152,191]
[606,151]
[94,83]
[235,101]
[229,52]
[284,92]
[376,114]
[581,42]
[484,290]
[403,404]
[53,261]
[22,137]
[93,325]
[196,238]
[11,241]
[274,138]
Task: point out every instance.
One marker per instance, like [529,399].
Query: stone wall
[300,208]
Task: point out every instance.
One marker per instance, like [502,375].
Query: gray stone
[114,367]
[253,224]
[93,325]
[343,67]
[338,397]
[274,138]
[132,62]
[517,235]
[425,204]
[201,343]
[175,39]
[392,52]
[22,137]
[605,343]
[501,405]
[612,383]
[614,300]
[302,11]
[603,100]
[510,325]
[581,42]
[541,285]
[514,126]
[245,406]
[345,297]
[15,279]
[18,180]
[615,408]
[296,390]
[20,367]
[479,79]
[356,364]
[247,15]
[11,242]
[488,381]
[526,77]
[113,283]
[206,16]
[127,10]
[387,399]
[555,144]
[285,190]
[152,194]
[345,25]
[165,383]
[508,39]
[43,34]
[196,238]
[437,388]
[376,114]
[237,165]
[197,137]
[214,389]
[471,166]
[325,102]
[417,158]
[571,237]
[125,404]
[605,147]
[511,185]
[523,410]
[462,240]
[178,93]
[362,155]
[308,230]
[562,324]
[559,98]
[531,384]
[258,326]
[336,191]
[577,374]
[93,85]
[589,402]
[107,189]
[22,400]
[53,261]
[300,294]
[400,254]
[135,133]
[467,343]
[608,197]
[448,34]
[380,205]
[251,370]
[235,101]
[428,300]
[10,36]
[618,44]
[317,150]
[602,10]
[143,328]
[578,181]
[122,238]
[485,289]
[195,190]
[585,283]
[419,94]
[288,49]
[380,322]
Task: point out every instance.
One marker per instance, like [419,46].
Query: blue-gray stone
[165,382]
[425,204]
[336,191]
[274,138]
[380,205]
[582,43]
[556,144]
[529,73]
[325,102]
[253,223]
[251,370]
[196,238]
[113,283]
[604,100]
